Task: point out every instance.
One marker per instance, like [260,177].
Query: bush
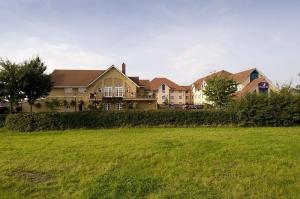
[25,122]
[276,109]
[94,119]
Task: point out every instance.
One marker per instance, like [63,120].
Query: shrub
[95,119]
[25,122]
[276,109]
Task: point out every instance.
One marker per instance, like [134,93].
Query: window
[172,97]
[119,106]
[180,103]
[163,88]
[254,75]
[107,107]
[180,97]
[68,90]
[163,97]
[119,91]
[107,91]
[81,90]
[186,97]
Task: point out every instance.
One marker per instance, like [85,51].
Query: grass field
[151,163]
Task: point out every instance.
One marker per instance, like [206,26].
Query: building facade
[109,89]
[249,81]
[112,89]
[169,93]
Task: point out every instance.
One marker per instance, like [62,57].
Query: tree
[10,86]
[298,86]
[220,90]
[34,81]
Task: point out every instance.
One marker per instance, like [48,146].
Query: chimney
[124,68]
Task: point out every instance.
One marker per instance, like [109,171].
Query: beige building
[109,89]
[248,81]
[112,89]
[168,92]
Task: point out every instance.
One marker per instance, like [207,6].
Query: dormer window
[253,75]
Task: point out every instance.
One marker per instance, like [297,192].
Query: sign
[263,85]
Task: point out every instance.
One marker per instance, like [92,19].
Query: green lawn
[151,163]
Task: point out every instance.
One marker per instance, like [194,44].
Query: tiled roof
[222,73]
[74,78]
[242,76]
[144,83]
[158,81]
[135,79]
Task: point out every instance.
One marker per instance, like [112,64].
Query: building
[248,81]
[109,89]
[168,92]
[113,89]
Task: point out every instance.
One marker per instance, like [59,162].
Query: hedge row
[91,120]
[275,109]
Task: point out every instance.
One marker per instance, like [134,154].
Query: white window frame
[107,106]
[107,91]
[119,91]
[68,90]
[163,97]
[180,97]
[119,106]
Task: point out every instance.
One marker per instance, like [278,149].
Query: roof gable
[243,75]
[82,78]
[222,73]
[158,81]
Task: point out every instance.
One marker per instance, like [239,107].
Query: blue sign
[263,85]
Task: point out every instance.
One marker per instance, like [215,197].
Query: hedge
[57,121]
[276,109]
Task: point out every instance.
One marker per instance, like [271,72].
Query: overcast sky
[179,39]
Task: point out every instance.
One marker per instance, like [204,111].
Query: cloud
[55,55]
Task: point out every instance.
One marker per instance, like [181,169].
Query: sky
[179,39]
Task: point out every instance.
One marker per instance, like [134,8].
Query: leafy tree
[298,86]
[35,82]
[220,90]
[10,84]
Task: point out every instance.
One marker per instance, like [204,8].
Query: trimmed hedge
[57,121]
[276,109]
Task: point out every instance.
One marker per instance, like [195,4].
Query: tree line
[24,81]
